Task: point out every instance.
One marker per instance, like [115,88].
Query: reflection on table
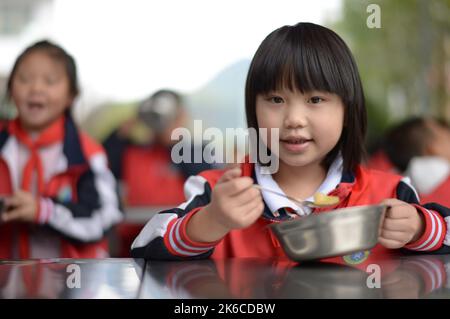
[408,277]
[70,278]
[425,276]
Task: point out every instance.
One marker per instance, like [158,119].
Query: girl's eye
[51,81]
[276,99]
[315,100]
[22,78]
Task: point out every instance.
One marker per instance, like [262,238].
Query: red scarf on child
[50,135]
[54,133]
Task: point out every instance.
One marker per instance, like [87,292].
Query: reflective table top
[426,276]
[70,278]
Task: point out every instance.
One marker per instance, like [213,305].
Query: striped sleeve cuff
[177,241]
[45,210]
[434,234]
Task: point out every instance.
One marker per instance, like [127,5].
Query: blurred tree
[405,64]
[113,116]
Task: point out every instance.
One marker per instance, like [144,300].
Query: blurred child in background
[420,148]
[147,174]
[58,192]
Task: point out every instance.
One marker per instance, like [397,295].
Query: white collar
[275,202]
[428,172]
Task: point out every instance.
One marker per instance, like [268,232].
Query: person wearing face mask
[420,148]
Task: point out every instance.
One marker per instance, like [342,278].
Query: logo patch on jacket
[65,194]
[356,258]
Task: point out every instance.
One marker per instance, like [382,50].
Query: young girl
[59,194]
[304,82]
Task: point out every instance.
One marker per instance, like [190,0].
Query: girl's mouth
[35,105]
[295,144]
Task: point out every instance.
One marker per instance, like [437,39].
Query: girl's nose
[37,86]
[296,116]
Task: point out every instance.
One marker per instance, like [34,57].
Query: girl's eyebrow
[317,92]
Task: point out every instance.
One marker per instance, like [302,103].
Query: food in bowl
[321,199]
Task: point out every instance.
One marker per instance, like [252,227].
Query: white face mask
[427,172]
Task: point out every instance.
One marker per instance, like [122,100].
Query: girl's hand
[23,206]
[234,204]
[402,224]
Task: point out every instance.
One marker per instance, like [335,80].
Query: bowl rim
[323,219]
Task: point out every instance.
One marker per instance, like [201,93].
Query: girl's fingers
[19,198]
[230,174]
[391,201]
[12,202]
[389,243]
[394,224]
[246,196]
[21,193]
[245,215]
[398,209]
[236,186]
[250,206]
[254,213]
[398,212]
[395,235]
[11,215]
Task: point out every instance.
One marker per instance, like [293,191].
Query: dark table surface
[404,277]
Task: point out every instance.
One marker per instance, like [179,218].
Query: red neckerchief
[52,134]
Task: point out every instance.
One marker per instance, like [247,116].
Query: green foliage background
[405,64]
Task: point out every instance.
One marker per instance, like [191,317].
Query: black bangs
[302,58]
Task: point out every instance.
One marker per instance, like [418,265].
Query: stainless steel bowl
[329,234]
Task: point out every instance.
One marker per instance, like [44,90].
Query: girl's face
[439,144]
[40,91]
[309,124]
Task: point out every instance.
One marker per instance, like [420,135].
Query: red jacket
[164,236]
[149,177]
[78,204]
[147,173]
[440,194]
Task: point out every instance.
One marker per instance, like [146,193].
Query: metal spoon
[304,203]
